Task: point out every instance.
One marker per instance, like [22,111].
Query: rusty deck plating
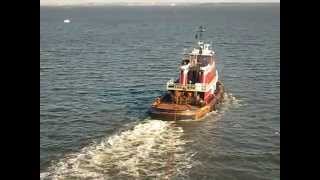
[173,112]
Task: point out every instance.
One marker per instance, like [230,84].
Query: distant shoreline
[161,4]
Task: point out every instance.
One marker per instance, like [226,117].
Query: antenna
[185,51]
[199,32]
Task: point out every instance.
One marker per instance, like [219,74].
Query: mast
[199,39]
[199,32]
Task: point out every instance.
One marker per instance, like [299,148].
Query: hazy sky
[75,2]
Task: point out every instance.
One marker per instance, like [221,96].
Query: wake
[153,149]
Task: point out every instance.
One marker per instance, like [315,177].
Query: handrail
[188,87]
[202,87]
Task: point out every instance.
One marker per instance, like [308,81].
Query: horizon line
[155,4]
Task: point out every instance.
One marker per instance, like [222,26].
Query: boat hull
[175,112]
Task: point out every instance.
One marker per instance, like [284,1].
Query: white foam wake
[153,149]
[229,101]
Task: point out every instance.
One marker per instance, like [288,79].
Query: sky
[132,2]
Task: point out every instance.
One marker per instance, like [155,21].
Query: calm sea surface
[99,74]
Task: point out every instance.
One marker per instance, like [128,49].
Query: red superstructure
[197,90]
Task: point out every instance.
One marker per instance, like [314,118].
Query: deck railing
[200,87]
[188,87]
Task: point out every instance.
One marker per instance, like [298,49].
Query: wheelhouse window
[185,62]
[205,60]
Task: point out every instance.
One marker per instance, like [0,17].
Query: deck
[175,107]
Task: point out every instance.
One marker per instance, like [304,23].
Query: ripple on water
[93,72]
[151,149]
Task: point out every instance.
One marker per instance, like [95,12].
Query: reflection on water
[99,74]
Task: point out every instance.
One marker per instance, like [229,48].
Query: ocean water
[100,73]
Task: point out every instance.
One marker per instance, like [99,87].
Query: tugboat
[197,91]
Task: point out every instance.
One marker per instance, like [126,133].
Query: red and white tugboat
[197,91]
